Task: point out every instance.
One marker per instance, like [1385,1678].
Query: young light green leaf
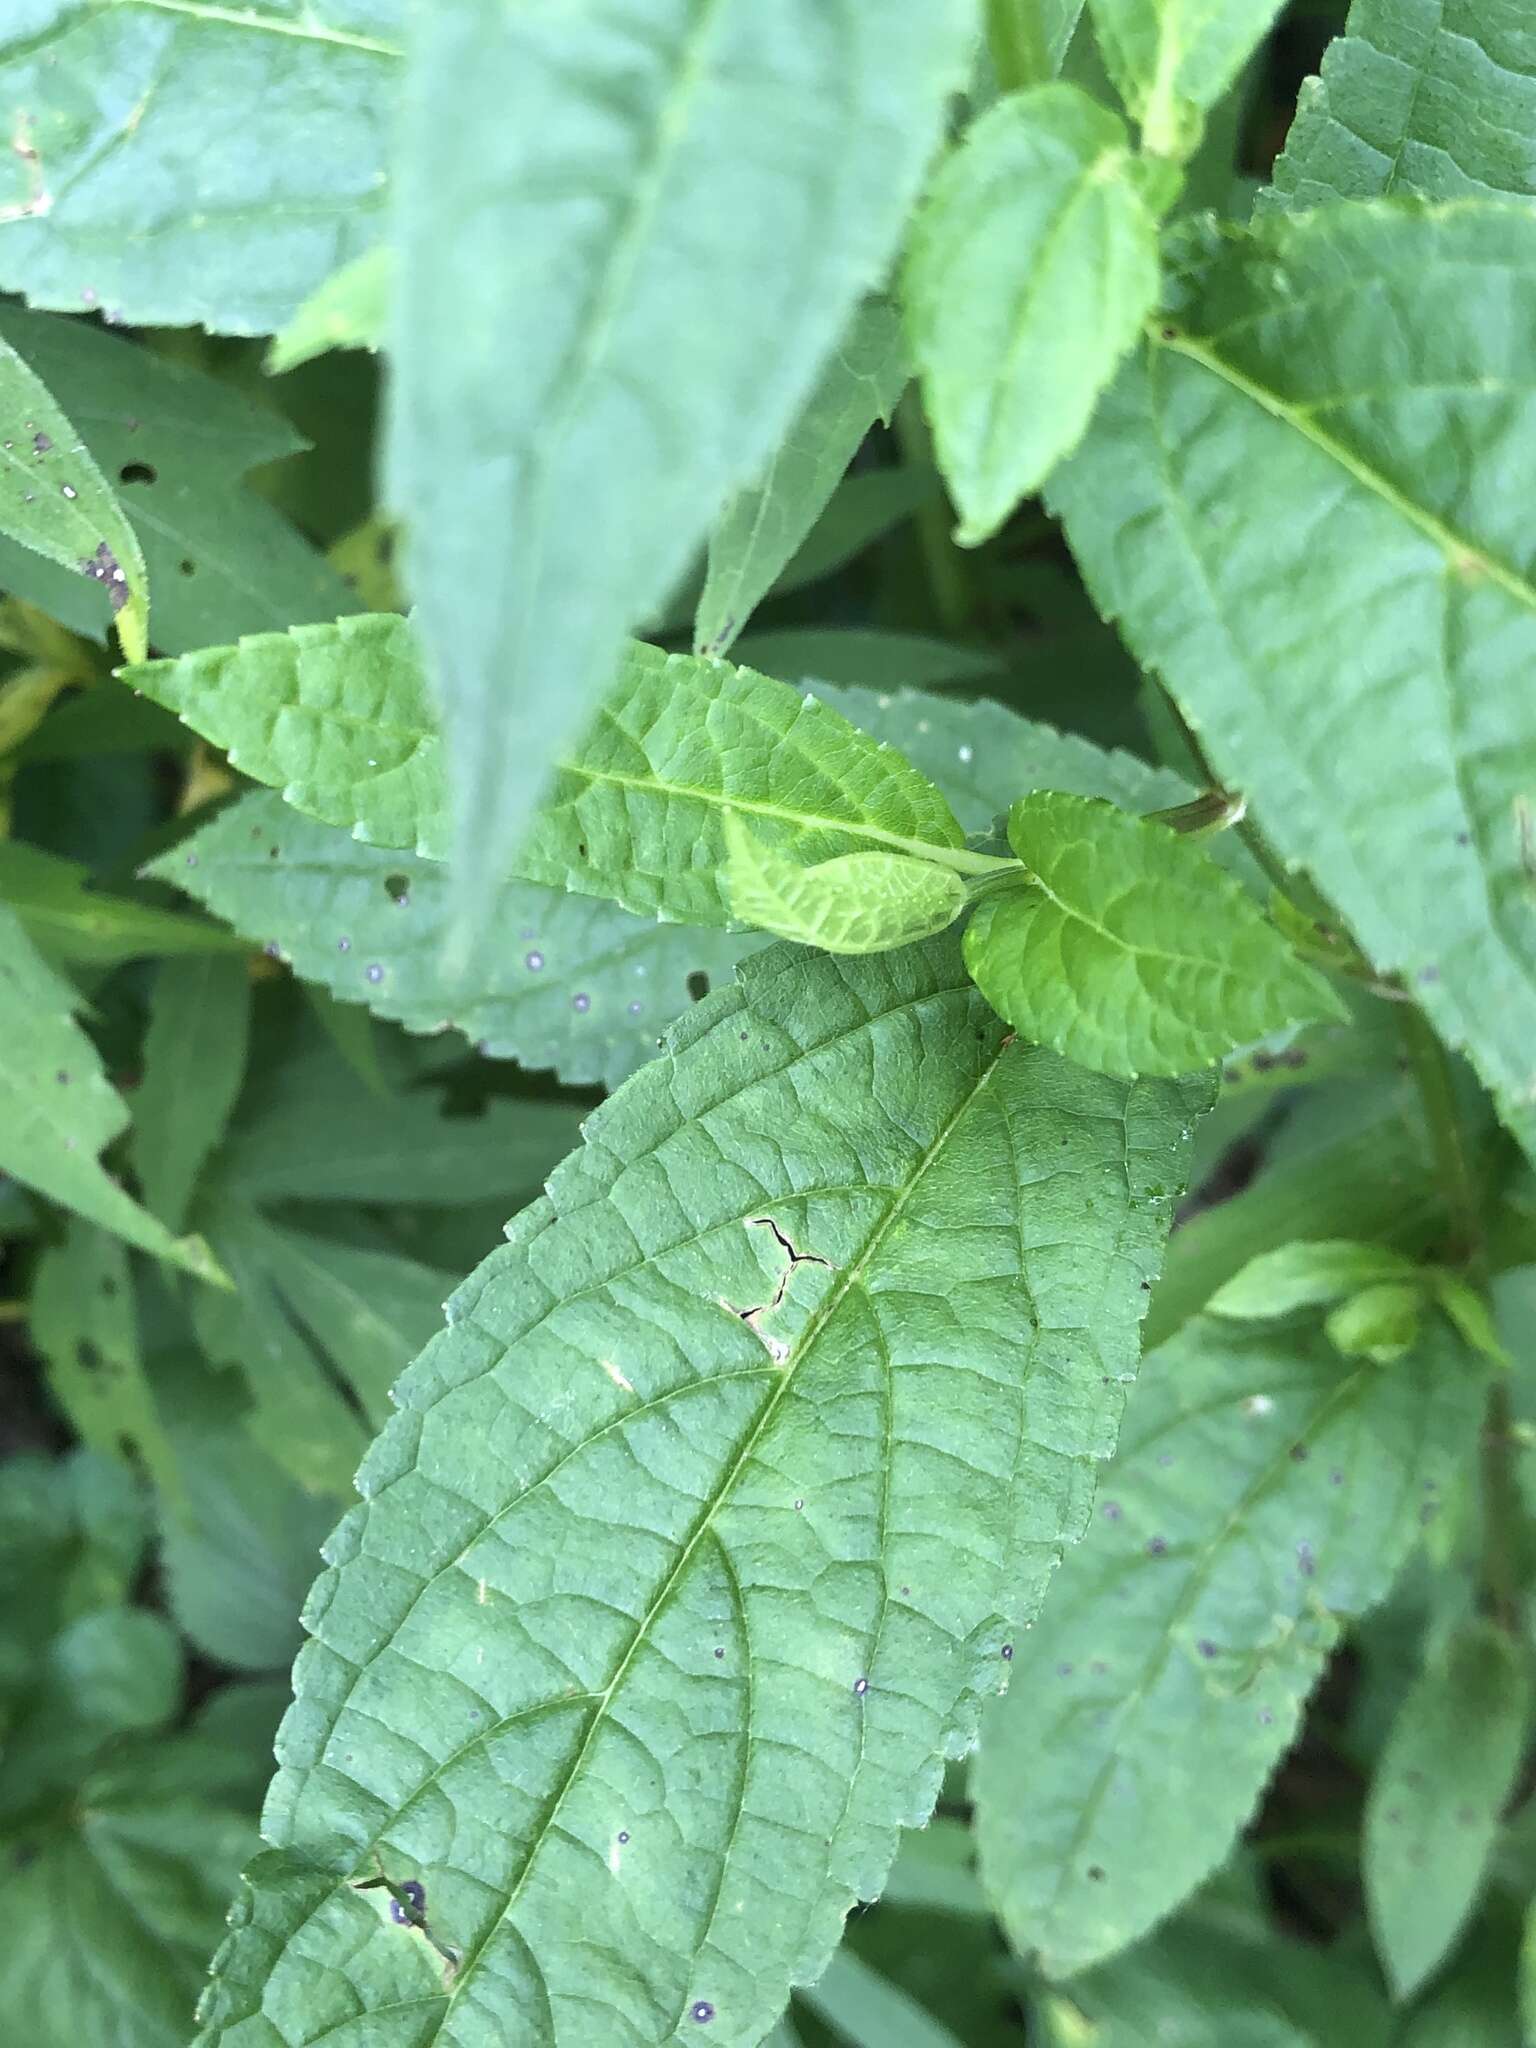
[657,344]
[758,533]
[67,919]
[1380,1323]
[194,1062]
[84,1322]
[1260,1493]
[1437,1794]
[57,1109]
[56,502]
[1029,273]
[1242,460]
[177,443]
[1129,949]
[856,903]
[1171,60]
[765,1317]
[350,310]
[563,981]
[1308,1275]
[240,155]
[338,717]
[1470,1311]
[1411,100]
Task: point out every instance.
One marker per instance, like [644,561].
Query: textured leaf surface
[57,1109]
[339,719]
[177,444]
[1172,59]
[55,501]
[1029,273]
[598,166]
[758,533]
[1130,950]
[135,184]
[194,1062]
[704,1523]
[856,903]
[561,981]
[1262,1490]
[1417,96]
[1432,1817]
[1246,458]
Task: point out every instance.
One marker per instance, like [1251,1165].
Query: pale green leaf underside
[1261,1491]
[1028,275]
[1307,1275]
[57,1108]
[1337,407]
[760,530]
[562,981]
[855,903]
[706,1521]
[1171,60]
[1433,1813]
[55,501]
[660,343]
[1130,950]
[338,717]
[191,164]
[1417,96]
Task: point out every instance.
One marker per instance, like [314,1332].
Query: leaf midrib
[296,31]
[704,1525]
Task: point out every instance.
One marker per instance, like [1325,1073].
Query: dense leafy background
[992,439]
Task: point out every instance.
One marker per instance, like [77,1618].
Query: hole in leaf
[138,473]
[187,568]
[698,985]
[398,888]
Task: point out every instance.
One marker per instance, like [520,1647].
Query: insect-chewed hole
[397,888]
[698,985]
[138,473]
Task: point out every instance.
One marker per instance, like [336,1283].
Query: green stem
[1016,40]
[13,1311]
[947,579]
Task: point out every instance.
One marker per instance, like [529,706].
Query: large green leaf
[1334,406]
[1416,96]
[57,1108]
[707,1521]
[854,903]
[757,535]
[1432,1818]
[182,164]
[56,502]
[561,981]
[338,718]
[1128,949]
[177,444]
[665,224]
[1262,1490]
[1172,59]
[1028,275]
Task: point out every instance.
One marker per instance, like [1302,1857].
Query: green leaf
[70,920]
[1128,949]
[1029,273]
[869,2011]
[598,187]
[55,501]
[177,445]
[1261,1492]
[194,1062]
[751,1445]
[562,981]
[239,155]
[350,310]
[84,1323]
[57,1109]
[73,1532]
[1307,1275]
[339,719]
[857,903]
[1380,1323]
[1171,60]
[1245,458]
[1413,101]
[758,533]
[1436,1797]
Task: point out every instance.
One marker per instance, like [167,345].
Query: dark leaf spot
[698,985]
[398,888]
[138,473]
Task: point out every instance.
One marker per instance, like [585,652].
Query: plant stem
[1016,40]
[13,1311]
[947,579]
